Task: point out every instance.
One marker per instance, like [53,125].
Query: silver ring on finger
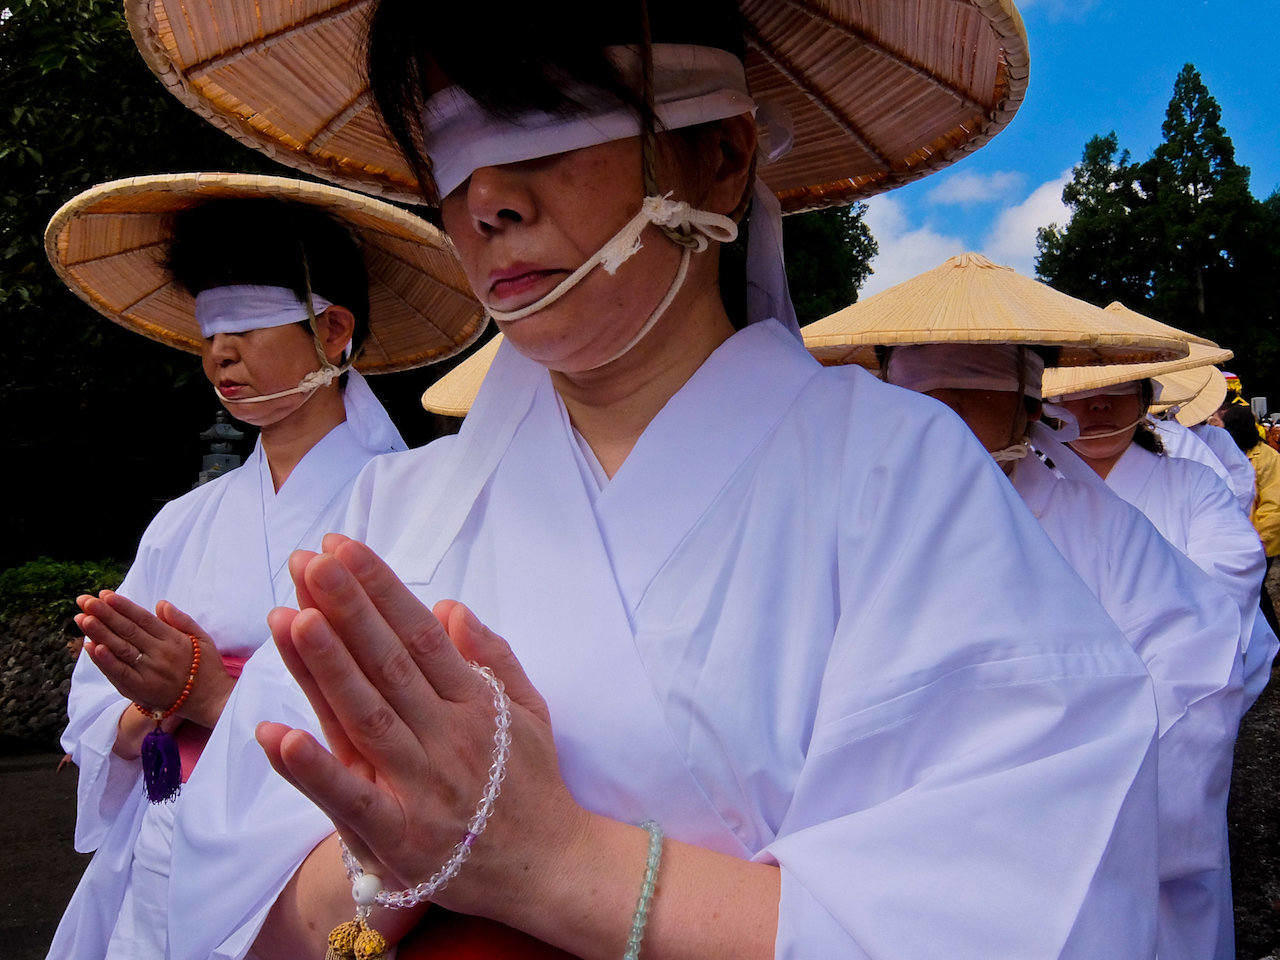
[138,659]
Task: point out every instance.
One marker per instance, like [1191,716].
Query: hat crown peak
[966,260]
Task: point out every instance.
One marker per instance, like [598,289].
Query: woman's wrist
[578,890]
[208,699]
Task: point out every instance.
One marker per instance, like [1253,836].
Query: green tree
[829,255]
[1203,208]
[1178,237]
[1098,255]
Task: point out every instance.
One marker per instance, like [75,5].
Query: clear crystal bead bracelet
[357,939]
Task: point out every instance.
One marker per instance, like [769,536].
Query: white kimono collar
[690,448]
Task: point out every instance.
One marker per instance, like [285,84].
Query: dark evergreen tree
[829,255]
[1099,255]
[1178,237]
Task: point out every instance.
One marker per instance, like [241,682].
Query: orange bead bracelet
[158,715]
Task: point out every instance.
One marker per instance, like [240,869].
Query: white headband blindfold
[244,307]
[965,366]
[692,85]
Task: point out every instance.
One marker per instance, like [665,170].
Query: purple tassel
[161,766]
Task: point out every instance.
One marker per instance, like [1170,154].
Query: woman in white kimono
[1182,624]
[1190,506]
[740,602]
[279,353]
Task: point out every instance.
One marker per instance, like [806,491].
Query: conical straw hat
[1181,386]
[1060,381]
[109,245]
[454,393]
[969,299]
[1206,402]
[880,94]
[1141,322]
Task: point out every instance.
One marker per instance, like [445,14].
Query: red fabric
[192,737]
[442,935]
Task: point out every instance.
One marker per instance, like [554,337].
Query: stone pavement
[39,865]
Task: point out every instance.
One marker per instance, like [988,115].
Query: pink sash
[192,737]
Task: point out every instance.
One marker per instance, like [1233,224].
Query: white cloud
[908,248]
[966,188]
[905,250]
[1012,237]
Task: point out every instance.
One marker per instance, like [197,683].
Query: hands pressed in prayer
[147,657]
[410,725]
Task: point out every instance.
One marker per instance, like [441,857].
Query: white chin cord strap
[1109,433]
[312,382]
[687,226]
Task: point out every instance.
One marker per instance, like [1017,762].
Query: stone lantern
[221,438]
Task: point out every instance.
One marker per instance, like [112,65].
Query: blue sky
[1096,66]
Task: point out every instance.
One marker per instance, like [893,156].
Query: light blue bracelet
[646,891]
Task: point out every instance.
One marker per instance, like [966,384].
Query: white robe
[1180,442]
[1196,512]
[220,554]
[1243,481]
[1187,631]
[777,632]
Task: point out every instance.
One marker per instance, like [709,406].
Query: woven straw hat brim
[109,245]
[1206,402]
[1060,381]
[1139,321]
[1182,385]
[454,393]
[969,299]
[880,94]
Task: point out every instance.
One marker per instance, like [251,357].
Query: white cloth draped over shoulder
[1196,512]
[1243,481]
[220,554]
[1180,442]
[778,633]
[1187,631]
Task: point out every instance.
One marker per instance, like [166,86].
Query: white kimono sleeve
[93,709]
[980,780]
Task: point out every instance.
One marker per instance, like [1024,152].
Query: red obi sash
[442,935]
[192,737]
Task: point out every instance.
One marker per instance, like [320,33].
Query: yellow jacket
[1266,505]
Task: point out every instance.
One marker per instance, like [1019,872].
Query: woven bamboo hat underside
[1060,381]
[454,393]
[880,93]
[109,245]
[969,299]
[1209,399]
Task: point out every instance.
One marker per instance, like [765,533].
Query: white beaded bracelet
[356,937]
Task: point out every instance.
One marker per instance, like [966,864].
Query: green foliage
[829,255]
[48,588]
[1178,236]
[1098,255]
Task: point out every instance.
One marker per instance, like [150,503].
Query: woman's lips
[520,281]
[232,390]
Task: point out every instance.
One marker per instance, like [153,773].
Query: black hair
[270,242]
[1145,436]
[1238,420]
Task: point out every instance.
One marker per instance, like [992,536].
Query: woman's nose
[222,349]
[1102,403]
[497,199]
